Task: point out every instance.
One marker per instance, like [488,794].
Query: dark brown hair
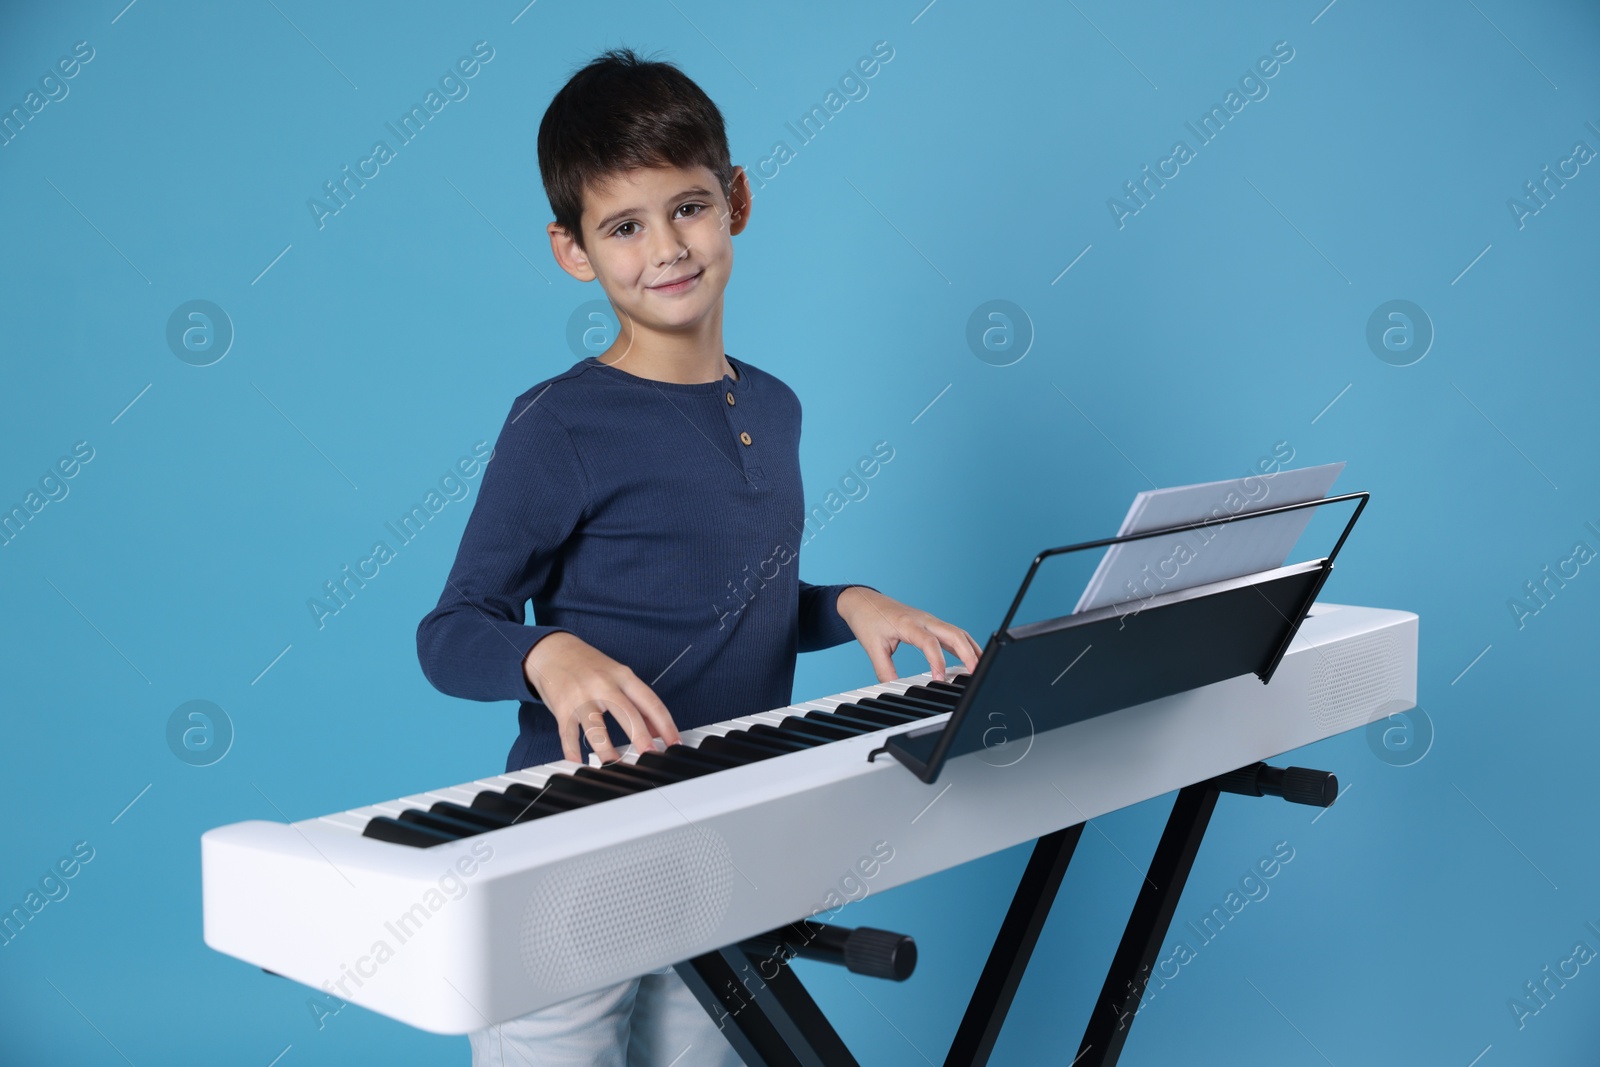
[622,113]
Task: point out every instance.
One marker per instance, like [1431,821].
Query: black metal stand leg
[1113,1013]
[763,1010]
[997,985]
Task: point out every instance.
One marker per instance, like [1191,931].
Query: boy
[626,498]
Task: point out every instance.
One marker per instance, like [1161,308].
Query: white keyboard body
[459,936]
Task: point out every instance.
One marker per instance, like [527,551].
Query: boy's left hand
[880,623]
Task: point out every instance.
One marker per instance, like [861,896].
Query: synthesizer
[466,906]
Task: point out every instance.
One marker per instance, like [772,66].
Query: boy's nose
[668,250]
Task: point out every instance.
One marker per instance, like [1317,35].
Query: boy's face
[660,242]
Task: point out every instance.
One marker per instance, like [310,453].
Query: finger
[928,642]
[633,721]
[977,649]
[598,736]
[567,726]
[655,712]
[881,663]
[958,641]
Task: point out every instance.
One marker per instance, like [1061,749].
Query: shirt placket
[736,410]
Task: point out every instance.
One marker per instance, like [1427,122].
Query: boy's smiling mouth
[678,285]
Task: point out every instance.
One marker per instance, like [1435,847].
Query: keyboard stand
[762,1008]
[769,1021]
[1118,1003]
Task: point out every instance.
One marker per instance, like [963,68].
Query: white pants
[649,1021]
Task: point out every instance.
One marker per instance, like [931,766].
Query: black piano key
[749,749]
[549,794]
[497,803]
[877,718]
[620,787]
[960,679]
[585,790]
[771,744]
[946,695]
[941,687]
[786,739]
[808,740]
[920,709]
[383,828]
[624,776]
[484,819]
[721,762]
[684,760]
[827,731]
[676,770]
[643,769]
[443,823]
[841,722]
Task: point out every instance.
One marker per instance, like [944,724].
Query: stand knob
[864,950]
[1297,785]
[880,953]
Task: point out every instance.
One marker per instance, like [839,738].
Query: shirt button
[745,437]
[730,398]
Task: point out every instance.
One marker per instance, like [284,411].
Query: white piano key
[454,794]
[372,811]
[528,776]
[813,705]
[418,800]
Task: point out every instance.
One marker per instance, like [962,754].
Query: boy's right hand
[581,685]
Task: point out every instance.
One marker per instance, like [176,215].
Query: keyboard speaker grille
[1353,679]
[612,912]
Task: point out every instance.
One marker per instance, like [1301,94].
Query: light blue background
[1224,317]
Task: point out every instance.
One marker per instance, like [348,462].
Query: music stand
[1074,667]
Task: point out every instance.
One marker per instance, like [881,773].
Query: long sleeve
[533,494]
[820,623]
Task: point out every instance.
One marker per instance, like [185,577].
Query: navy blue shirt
[662,524]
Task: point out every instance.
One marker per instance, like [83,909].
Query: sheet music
[1139,570]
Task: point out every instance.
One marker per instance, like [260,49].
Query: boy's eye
[689,210]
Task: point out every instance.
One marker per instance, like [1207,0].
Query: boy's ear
[739,200]
[569,253]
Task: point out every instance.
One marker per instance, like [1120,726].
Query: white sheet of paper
[1140,569]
